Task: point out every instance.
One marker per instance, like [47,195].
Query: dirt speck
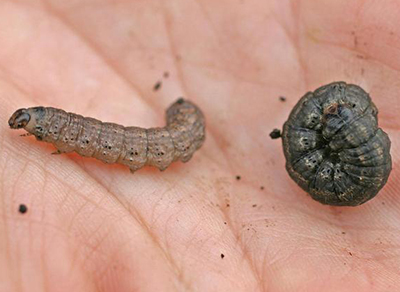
[238,177]
[275,134]
[23,209]
[282,98]
[222,255]
[355,38]
[157,86]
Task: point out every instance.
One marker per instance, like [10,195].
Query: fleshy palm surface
[194,227]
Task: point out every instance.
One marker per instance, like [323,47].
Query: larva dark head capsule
[19,119]
[334,148]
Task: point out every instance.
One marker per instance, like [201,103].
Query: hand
[196,226]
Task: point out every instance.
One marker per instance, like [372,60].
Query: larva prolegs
[112,143]
[135,148]
[109,143]
[160,148]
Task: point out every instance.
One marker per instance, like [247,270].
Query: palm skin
[194,227]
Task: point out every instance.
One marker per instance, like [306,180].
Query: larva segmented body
[334,148]
[112,143]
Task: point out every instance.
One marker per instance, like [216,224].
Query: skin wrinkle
[295,42]
[174,266]
[75,258]
[15,85]
[145,228]
[174,53]
[43,239]
[210,132]
[242,245]
[339,247]
[4,216]
[356,52]
[216,34]
[93,46]
[98,243]
[76,192]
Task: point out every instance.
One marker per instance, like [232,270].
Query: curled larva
[333,147]
[111,143]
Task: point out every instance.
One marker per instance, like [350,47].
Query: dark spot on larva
[343,232]
[350,253]
[275,134]
[343,146]
[180,101]
[254,205]
[225,223]
[238,177]
[222,255]
[228,205]
[261,188]
[157,86]
[166,74]
[22,209]
[282,98]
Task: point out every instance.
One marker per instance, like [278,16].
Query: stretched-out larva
[111,143]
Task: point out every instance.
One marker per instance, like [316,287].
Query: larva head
[26,118]
[19,119]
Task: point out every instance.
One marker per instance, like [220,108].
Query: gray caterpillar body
[334,148]
[111,143]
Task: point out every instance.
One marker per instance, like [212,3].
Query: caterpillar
[112,143]
[334,148]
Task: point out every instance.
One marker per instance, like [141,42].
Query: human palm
[196,226]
